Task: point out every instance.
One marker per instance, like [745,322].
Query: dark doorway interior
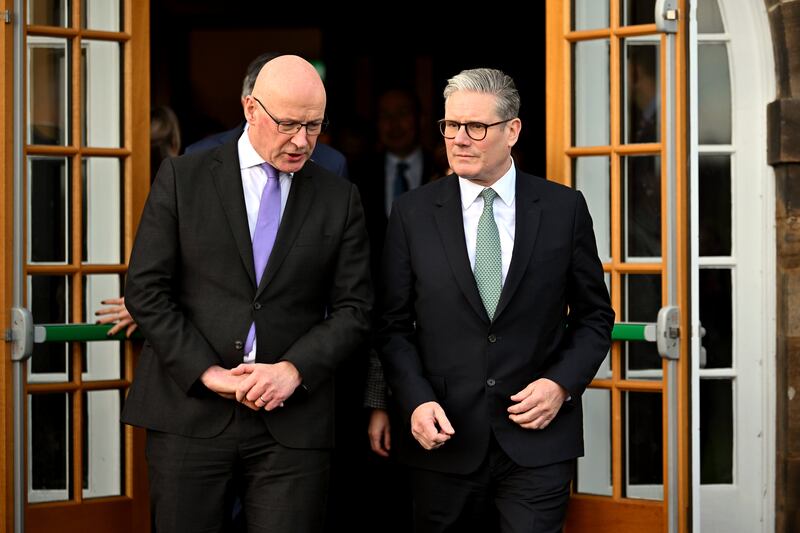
[199,53]
[200,49]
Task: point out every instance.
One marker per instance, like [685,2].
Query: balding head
[290,90]
[291,79]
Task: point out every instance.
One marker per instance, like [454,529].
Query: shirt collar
[413,158]
[505,188]
[248,157]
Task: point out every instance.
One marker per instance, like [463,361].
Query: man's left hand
[537,404]
[268,385]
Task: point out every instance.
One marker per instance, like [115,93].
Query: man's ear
[514,129]
[249,107]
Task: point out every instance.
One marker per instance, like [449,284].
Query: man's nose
[300,139]
[461,135]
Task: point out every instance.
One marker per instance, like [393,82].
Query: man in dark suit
[250,281]
[322,154]
[495,318]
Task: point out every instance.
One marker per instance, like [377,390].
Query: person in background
[165,137]
[494,319]
[400,164]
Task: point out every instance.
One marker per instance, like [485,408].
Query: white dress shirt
[254,178]
[505,215]
[414,161]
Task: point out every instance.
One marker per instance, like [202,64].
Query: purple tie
[269,217]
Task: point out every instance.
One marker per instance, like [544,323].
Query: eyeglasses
[475,130]
[289,127]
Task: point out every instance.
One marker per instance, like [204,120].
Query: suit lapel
[301,196]
[450,223]
[228,181]
[528,213]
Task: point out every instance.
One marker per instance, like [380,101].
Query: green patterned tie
[488,256]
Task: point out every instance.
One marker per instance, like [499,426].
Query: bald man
[250,281]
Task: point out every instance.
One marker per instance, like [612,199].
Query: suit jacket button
[492,337]
[491,382]
[238,345]
[257,305]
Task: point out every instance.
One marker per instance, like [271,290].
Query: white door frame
[733,507]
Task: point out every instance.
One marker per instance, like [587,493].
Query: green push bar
[80,333]
[623,331]
[630,331]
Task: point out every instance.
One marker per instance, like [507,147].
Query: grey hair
[489,81]
[253,69]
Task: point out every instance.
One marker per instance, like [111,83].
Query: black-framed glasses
[475,130]
[290,127]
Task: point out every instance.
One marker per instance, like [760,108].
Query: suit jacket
[370,178]
[191,288]
[323,155]
[553,321]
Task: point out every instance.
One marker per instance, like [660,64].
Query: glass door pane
[49,438]
[589,14]
[594,475]
[644,445]
[49,12]
[103,200]
[590,96]
[48,90]
[105,15]
[49,210]
[102,93]
[102,450]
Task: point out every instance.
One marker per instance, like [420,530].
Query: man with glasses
[495,318]
[250,281]
[323,155]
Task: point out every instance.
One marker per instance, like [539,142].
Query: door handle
[668,332]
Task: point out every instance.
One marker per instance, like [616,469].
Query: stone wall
[783,117]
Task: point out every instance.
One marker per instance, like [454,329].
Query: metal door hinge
[6,14]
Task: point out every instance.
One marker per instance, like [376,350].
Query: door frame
[752,67]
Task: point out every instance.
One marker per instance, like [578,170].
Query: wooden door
[609,132]
[85,143]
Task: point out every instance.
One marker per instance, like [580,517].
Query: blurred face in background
[398,122]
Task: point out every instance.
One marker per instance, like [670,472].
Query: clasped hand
[256,385]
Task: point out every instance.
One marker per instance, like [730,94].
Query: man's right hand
[430,425]
[221,381]
[379,431]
